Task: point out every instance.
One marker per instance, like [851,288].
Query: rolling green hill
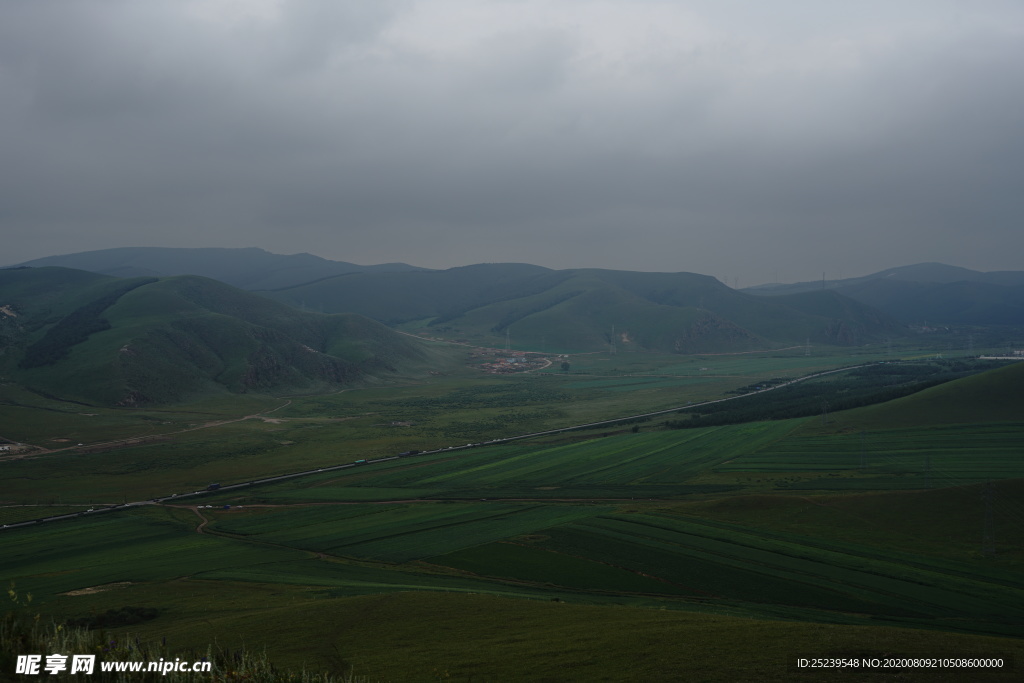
[145,340]
[589,309]
[993,396]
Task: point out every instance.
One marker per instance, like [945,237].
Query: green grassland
[186,447]
[585,555]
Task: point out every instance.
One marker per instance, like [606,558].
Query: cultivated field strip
[951,455]
[138,546]
[619,462]
[402,532]
[522,560]
[919,586]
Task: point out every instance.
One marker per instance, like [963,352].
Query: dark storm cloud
[713,137]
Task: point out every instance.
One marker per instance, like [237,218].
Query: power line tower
[611,343]
[508,343]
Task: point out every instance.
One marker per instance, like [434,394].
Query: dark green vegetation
[110,341]
[862,386]
[113,618]
[590,309]
[713,553]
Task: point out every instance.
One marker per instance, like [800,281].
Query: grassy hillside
[400,297]
[145,340]
[591,309]
[993,396]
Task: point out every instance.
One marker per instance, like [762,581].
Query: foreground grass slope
[311,611]
[426,637]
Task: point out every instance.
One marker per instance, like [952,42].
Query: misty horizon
[728,139]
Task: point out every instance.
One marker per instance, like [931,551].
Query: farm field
[832,529]
[146,453]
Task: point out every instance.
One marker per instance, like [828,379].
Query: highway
[408,454]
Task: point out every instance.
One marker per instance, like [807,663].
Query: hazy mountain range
[247,268]
[153,334]
[932,293]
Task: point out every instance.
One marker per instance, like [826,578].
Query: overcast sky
[737,138]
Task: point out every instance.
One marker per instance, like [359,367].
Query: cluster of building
[504,362]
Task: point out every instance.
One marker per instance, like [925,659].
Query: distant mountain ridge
[135,341]
[930,273]
[247,268]
[589,309]
[932,293]
[592,309]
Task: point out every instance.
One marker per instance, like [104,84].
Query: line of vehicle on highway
[218,488]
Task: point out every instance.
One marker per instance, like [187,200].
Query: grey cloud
[322,127]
